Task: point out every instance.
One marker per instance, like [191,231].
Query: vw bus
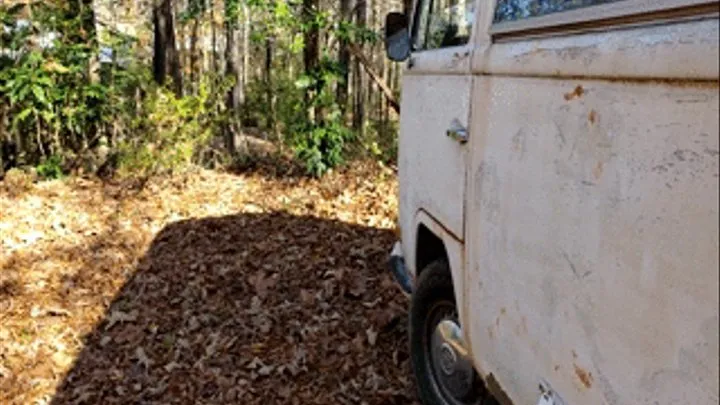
[558,171]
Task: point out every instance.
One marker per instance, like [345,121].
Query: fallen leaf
[371,336]
[142,358]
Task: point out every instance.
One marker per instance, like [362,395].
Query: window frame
[415,26]
[602,17]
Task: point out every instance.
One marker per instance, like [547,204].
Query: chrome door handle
[457,132]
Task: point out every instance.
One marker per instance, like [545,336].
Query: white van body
[580,217]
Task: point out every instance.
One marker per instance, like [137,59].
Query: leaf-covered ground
[202,288]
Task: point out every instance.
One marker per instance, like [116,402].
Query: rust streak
[576,93]
[598,170]
[592,116]
[585,377]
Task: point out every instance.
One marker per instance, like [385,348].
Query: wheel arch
[433,242]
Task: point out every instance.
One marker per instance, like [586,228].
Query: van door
[592,237]
[435,110]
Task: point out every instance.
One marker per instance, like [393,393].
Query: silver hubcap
[450,359]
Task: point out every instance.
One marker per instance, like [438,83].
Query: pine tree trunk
[344,60]
[231,69]
[311,51]
[267,77]
[165,58]
[359,103]
[245,52]
[213,33]
[194,56]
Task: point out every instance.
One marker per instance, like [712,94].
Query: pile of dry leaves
[202,288]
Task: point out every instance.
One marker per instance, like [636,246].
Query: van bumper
[399,270]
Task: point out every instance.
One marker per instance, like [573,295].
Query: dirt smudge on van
[521,328]
[598,170]
[584,376]
[576,93]
[518,143]
[593,116]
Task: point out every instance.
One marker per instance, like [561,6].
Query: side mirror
[397,36]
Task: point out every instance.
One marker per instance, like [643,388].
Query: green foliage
[176,129]
[50,168]
[232,13]
[71,99]
[320,141]
[380,140]
[195,8]
[321,147]
[67,108]
[51,86]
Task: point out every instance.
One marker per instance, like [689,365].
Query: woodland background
[136,87]
[171,231]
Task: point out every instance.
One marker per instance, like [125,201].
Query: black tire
[434,290]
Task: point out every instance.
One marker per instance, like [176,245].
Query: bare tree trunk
[344,59]
[231,69]
[361,59]
[312,50]
[194,57]
[359,104]
[269,93]
[213,30]
[165,57]
[245,52]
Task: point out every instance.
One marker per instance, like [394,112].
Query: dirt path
[202,288]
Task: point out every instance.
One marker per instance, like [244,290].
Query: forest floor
[203,288]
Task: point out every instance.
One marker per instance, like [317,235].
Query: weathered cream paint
[678,51]
[431,165]
[589,214]
[592,240]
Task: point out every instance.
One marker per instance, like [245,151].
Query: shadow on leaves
[251,309]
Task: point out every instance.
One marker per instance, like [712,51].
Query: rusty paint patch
[576,93]
[584,376]
[490,332]
[598,170]
[592,116]
[503,311]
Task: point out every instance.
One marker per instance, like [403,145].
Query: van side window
[512,10]
[442,23]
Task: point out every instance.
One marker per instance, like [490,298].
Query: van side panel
[592,239]
[431,165]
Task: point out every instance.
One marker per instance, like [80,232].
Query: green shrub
[50,168]
[320,141]
[321,148]
[175,129]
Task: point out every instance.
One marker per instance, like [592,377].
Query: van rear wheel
[442,365]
